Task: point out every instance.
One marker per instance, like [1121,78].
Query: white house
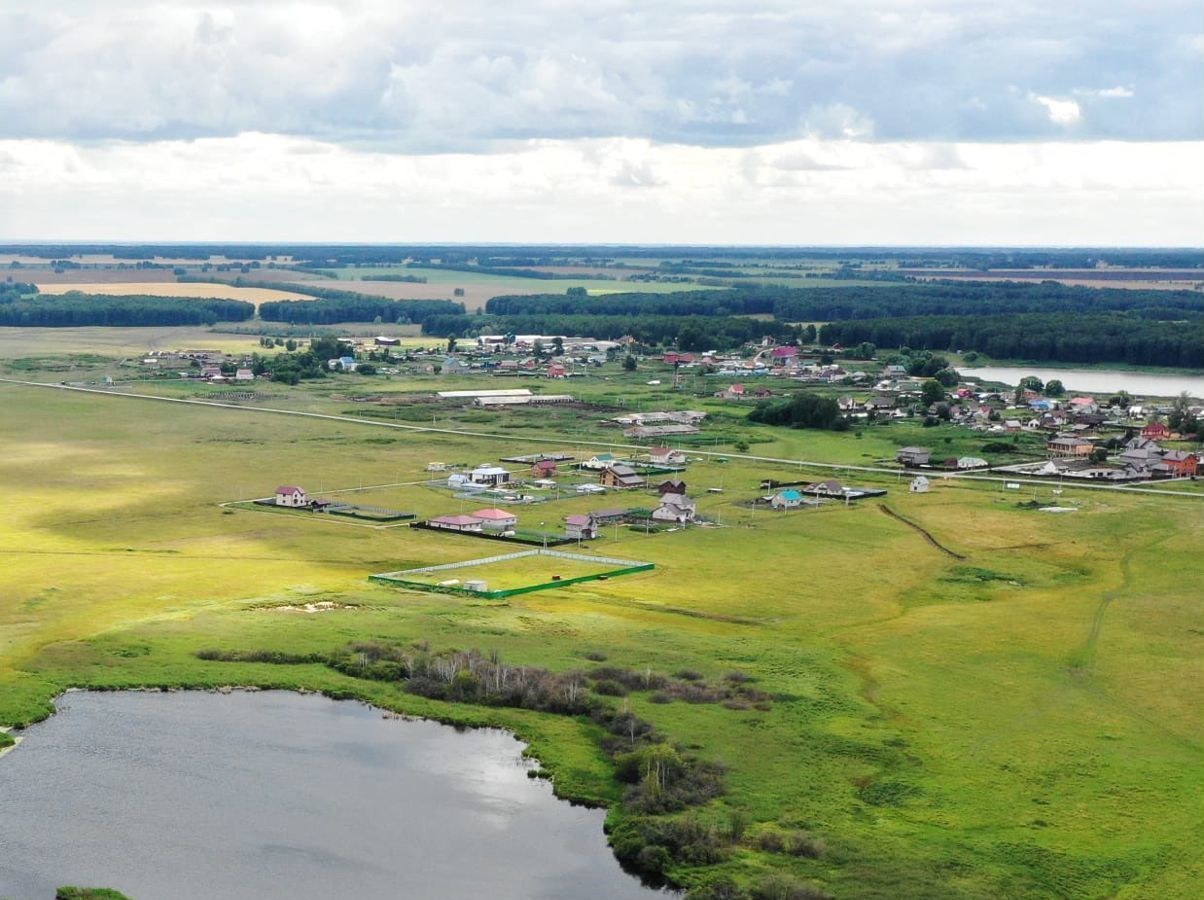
[789,499]
[288,495]
[676,508]
[489,475]
[971,462]
[919,485]
[665,456]
[599,462]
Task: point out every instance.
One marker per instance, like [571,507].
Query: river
[202,796]
[1101,381]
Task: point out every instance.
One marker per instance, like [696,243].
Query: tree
[947,377]
[1099,455]
[1054,388]
[290,345]
[451,345]
[1031,383]
[865,350]
[931,393]
[809,334]
[558,346]
[629,363]
[577,292]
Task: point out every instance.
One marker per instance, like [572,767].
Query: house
[919,485]
[829,488]
[913,456]
[971,462]
[556,370]
[288,495]
[453,366]
[456,523]
[211,371]
[677,508]
[783,354]
[544,468]
[344,363]
[879,404]
[1156,431]
[663,456]
[1067,446]
[599,461]
[1178,464]
[580,527]
[620,476]
[786,500]
[732,392]
[489,475]
[671,486]
[495,519]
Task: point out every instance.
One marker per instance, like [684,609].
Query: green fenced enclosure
[514,566]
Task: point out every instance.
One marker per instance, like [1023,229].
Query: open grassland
[110,344]
[1024,721]
[254,295]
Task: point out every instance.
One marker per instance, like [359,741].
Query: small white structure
[477,585]
[971,462]
[919,485]
[590,489]
[489,475]
[436,467]
[665,456]
[244,375]
[287,495]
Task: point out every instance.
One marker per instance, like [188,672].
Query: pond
[1098,381]
[280,795]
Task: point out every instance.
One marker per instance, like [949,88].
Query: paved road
[573,442]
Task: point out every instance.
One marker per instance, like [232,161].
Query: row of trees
[803,410]
[77,309]
[692,333]
[361,308]
[1052,338]
[793,304]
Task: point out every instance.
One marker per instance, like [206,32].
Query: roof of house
[790,495]
[457,520]
[658,451]
[914,450]
[289,489]
[620,469]
[577,519]
[494,513]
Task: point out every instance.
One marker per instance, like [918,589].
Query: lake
[175,796]
[1141,384]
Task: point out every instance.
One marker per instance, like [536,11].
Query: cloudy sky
[727,121]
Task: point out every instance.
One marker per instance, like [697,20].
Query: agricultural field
[1013,709]
[254,295]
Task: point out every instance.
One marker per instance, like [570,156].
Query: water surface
[1102,381]
[199,796]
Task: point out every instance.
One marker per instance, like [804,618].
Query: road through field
[431,429]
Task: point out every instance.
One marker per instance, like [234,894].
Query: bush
[783,887]
[609,688]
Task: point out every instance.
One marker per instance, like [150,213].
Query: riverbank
[308,775]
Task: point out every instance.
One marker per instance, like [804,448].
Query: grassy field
[254,295]
[1023,721]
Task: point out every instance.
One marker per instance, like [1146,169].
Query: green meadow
[1022,719]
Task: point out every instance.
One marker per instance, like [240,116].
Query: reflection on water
[278,795]
[1140,384]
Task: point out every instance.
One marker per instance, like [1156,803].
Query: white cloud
[268,187]
[1061,111]
[414,76]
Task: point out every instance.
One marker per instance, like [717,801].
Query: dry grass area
[48,276]
[254,295]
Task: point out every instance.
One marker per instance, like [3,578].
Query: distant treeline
[793,304]
[510,271]
[1107,338]
[691,333]
[361,308]
[319,255]
[12,290]
[75,308]
[410,279]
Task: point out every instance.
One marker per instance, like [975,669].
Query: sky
[617,121]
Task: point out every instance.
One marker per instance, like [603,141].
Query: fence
[400,579]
